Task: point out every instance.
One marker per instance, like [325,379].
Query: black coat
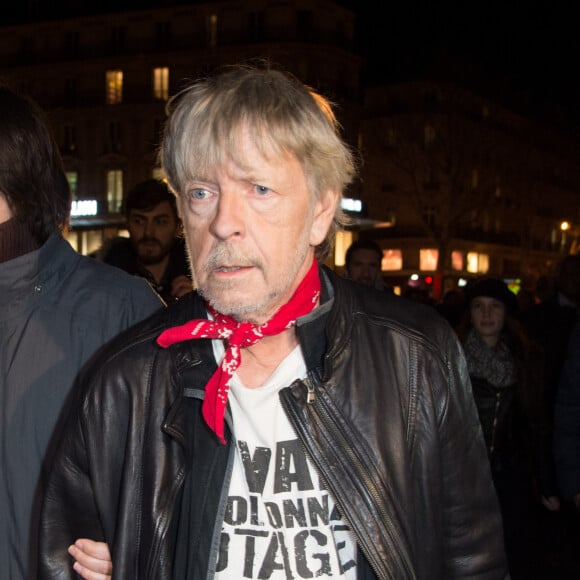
[386,415]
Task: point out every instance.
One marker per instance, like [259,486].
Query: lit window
[114,190]
[428,258]
[392,260]
[457,260]
[477,263]
[161,83]
[212,20]
[157,173]
[72,177]
[114,87]
[342,241]
[483,264]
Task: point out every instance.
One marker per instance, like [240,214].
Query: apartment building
[452,185]
[105,80]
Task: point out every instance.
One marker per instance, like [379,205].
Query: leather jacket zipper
[324,416]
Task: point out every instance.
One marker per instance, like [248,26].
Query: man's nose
[149,228]
[229,216]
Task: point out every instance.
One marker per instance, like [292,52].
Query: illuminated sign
[351,204]
[83,207]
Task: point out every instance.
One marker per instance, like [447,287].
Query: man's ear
[324,210]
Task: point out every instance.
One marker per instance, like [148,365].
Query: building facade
[105,81]
[452,185]
[469,187]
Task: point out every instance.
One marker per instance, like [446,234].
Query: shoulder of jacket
[393,312]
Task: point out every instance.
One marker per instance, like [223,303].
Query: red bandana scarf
[240,335]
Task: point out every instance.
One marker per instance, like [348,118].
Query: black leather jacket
[386,414]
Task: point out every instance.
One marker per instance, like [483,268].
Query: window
[73,177]
[114,190]
[342,241]
[69,143]
[157,173]
[256,26]
[211,24]
[428,258]
[163,35]
[429,214]
[161,83]
[72,42]
[474,179]
[115,142]
[118,36]
[429,135]
[457,260]
[477,263]
[430,182]
[114,87]
[305,25]
[70,91]
[392,260]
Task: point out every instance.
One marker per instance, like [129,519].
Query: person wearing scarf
[280,421]
[505,370]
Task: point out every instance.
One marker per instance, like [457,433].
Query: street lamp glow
[564,226]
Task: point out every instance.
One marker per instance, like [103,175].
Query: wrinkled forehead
[241,144]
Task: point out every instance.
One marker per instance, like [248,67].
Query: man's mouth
[230,268]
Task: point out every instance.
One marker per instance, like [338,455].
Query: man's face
[251,231]
[364,267]
[153,232]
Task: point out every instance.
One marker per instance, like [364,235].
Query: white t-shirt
[280,523]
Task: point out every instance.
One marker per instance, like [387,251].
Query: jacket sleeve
[473,543]
[567,420]
[84,479]
[69,509]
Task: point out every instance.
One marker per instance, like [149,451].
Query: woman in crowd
[505,370]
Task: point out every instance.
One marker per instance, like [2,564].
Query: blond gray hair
[285,116]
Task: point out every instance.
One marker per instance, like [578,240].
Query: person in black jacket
[506,374]
[56,309]
[567,421]
[280,421]
[155,248]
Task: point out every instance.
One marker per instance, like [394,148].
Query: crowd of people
[522,355]
[223,405]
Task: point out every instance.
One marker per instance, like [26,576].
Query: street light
[564,227]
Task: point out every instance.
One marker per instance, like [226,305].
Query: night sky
[523,54]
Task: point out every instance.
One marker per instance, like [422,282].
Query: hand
[180,286]
[551,503]
[92,559]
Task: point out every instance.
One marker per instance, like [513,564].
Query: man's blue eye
[262,189]
[198,193]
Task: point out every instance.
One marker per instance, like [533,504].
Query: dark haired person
[362,263]
[155,248]
[56,309]
[279,422]
[505,368]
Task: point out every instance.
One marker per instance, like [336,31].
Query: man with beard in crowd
[155,249]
